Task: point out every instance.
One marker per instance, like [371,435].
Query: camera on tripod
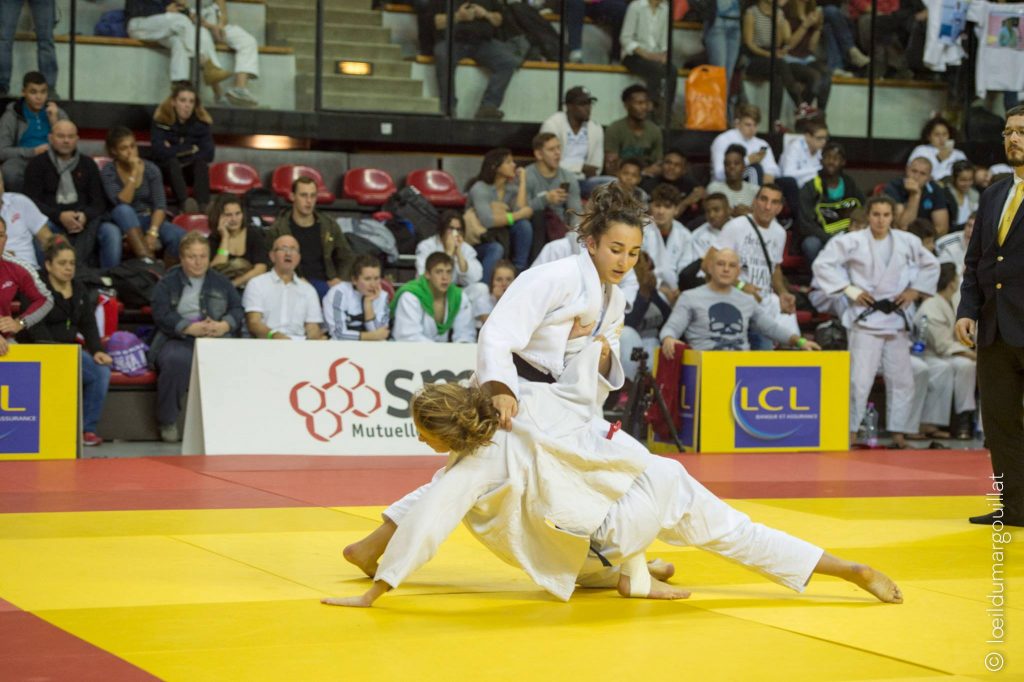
[640,355]
[643,393]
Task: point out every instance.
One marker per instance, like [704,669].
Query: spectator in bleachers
[135,187]
[504,273]
[827,202]
[961,196]
[892,38]
[840,48]
[172,24]
[25,128]
[937,318]
[189,302]
[760,159]
[982,178]
[735,188]
[801,158]
[717,213]
[582,139]
[938,145]
[280,304]
[19,281]
[760,242]
[183,146]
[610,12]
[647,308]
[634,136]
[644,39]
[326,253]
[917,195]
[65,185]
[24,222]
[429,308]
[806,25]
[881,271]
[498,196]
[72,315]
[475,36]
[799,80]
[723,35]
[553,193]
[358,310]
[44,18]
[240,252]
[667,242]
[673,171]
[628,177]
[923,229]
[451,239]
[952,248]
[247,63]
[718,316]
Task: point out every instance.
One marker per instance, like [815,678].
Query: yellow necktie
[1011,213]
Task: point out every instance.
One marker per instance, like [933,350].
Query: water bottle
[919,336]
[871,426]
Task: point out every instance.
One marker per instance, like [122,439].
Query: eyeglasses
[1010,132]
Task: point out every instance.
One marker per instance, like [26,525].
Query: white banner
[314,397]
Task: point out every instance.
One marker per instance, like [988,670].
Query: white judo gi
[884,269]
[413,323]
[669,255]
[539,497]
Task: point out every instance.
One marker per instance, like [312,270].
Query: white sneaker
[576,56]
[241,97]
[169,433]
[843,73]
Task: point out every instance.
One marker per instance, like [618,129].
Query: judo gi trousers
[891,350]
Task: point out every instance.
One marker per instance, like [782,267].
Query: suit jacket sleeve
[970,290]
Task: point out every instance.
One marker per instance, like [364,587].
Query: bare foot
[362,557]
[660,570]
[877,583]
[659,590]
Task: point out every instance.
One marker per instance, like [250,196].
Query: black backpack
[409,204]
[831,335]
[135,280]
[405,235]
[262,206]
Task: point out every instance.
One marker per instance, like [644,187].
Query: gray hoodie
[13,125]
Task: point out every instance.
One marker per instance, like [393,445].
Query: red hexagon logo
[323,406]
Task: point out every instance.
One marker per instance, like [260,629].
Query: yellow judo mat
[234,595]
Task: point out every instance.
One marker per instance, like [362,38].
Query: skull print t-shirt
[709,320]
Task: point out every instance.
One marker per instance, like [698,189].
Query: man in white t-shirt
[760,158]
[754,237]
[279,304]
[24,221]
[582,139]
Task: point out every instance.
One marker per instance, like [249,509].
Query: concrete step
[281,31]
[331,4]
[376,85]
[307,64]
[339,49]
[307,13]
[419,105]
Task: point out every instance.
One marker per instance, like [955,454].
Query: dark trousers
[182,176]
[653,73]
[174,364]
[798,80]
[1001,382]
[496,56]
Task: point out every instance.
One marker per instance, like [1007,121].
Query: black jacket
[42,179]
[808,220]
[68,318]
[993,286]
[177,140]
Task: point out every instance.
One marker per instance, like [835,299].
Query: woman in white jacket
[563,504]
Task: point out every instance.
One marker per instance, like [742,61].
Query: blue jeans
[811,246]
[494,55]
[44,17]
[609,12]
[125,218]
[489,254]
[588,186]
[95,380]
[521,238]
[321,286]
[722,41]
[838,37]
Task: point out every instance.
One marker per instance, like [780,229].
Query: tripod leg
[663,408]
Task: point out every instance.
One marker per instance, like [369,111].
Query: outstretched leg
[364,554]
[861,575]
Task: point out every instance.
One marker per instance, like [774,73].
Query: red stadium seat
[232,176]
[102,161]
[193,222]
[368,186]
[387,286]
[790,260]
[438,186]
[286,174]
[879,188]
[147,379]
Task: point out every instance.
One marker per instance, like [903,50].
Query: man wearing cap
[582,140]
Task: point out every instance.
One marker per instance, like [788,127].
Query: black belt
[528,372]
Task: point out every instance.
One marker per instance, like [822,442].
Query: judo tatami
[212,568]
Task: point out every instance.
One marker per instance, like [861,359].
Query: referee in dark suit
[991,314]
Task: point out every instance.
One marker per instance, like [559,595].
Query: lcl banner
[313,397]
[40,406]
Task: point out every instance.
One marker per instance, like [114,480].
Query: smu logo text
[19,407]
[777,407]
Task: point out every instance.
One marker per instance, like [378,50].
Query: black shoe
[992,517]
[488,112]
